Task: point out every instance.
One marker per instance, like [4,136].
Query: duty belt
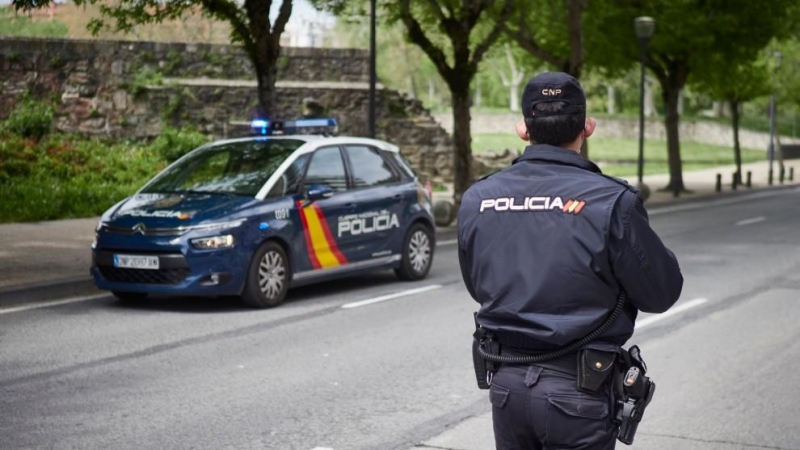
[567,364]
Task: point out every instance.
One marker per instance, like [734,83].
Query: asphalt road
[208,374]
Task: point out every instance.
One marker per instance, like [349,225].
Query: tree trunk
[462,139]
[575,64]
[513,97]
[737,151]
[611,100]
[670,95]
[266,77]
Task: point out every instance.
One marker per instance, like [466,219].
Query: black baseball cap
[552,87]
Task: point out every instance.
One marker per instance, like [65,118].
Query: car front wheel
[267,277]
[417,254]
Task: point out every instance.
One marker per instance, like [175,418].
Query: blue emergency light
[324,126]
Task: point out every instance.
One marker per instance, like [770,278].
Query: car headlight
[210,243]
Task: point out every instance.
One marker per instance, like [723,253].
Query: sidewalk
[48,260]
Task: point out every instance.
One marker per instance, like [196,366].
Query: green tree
[455,35]
[249,20]
[553,33]
[735,83]
[689,34]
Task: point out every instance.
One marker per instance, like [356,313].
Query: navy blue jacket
[546,244]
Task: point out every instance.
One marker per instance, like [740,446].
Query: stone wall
[126,59]
[692,131]
[122,89]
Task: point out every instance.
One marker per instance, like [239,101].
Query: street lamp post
[644,27]
[372,69]
[771,148]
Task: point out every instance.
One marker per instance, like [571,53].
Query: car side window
[369,168]
[327,167]
[289,181]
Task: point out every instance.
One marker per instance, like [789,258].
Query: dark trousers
[541,409]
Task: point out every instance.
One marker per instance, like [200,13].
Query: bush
[65,176]
[31,118]
[174,143]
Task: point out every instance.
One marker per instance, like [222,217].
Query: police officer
[546,246]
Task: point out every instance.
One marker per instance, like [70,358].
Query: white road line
[383,298]
[750,221]
[727,201]
[448,242]
[676,310]
[53,303]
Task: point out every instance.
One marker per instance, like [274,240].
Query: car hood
[178,210]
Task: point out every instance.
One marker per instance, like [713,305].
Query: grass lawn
[618,156]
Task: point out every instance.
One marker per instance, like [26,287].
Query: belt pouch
[594,368]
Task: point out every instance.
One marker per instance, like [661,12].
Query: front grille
[143,276]
[130,231]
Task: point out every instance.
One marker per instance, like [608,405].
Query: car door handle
[397,196]
[350,205]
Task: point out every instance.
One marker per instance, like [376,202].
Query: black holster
[633,390]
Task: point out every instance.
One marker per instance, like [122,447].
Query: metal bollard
[791,173]
[734,181]
[769,177]
[781,174]
[749,179]
[718,187]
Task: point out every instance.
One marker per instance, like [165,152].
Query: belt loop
[532,377]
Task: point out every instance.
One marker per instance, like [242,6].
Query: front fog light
[209,243]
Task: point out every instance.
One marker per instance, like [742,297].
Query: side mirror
[319,192]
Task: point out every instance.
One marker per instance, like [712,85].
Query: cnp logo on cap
[553,87]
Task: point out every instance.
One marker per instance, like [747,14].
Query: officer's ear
[588,128]
[522,131]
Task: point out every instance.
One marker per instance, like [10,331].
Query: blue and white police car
[255,216]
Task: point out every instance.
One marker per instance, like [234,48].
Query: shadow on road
[300,296]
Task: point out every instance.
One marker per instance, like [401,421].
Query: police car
[255,216]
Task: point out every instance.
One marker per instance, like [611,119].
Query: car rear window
[403,164]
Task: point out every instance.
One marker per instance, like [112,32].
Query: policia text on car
[561,258]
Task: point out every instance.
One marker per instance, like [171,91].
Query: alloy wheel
[271,274]
[419,251]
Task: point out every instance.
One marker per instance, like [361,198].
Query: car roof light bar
[323,126]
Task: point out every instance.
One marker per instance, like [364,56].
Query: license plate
[136,262]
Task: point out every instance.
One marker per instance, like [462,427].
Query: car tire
[130,296]
[417,254]
[267,277]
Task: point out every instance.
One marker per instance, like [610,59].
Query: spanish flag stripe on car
[311,255]
[322,249]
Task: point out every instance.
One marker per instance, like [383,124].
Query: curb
[51,290]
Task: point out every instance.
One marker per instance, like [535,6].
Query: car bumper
[208,273]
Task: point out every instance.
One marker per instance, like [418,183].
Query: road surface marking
[705,204]
[676,310]
[383,298]
[751,220]
[53,303]
[449,242]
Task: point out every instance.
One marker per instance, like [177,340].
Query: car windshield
[233,168]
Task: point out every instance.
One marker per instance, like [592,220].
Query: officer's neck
[574,146]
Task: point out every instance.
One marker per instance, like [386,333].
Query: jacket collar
[557,155]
